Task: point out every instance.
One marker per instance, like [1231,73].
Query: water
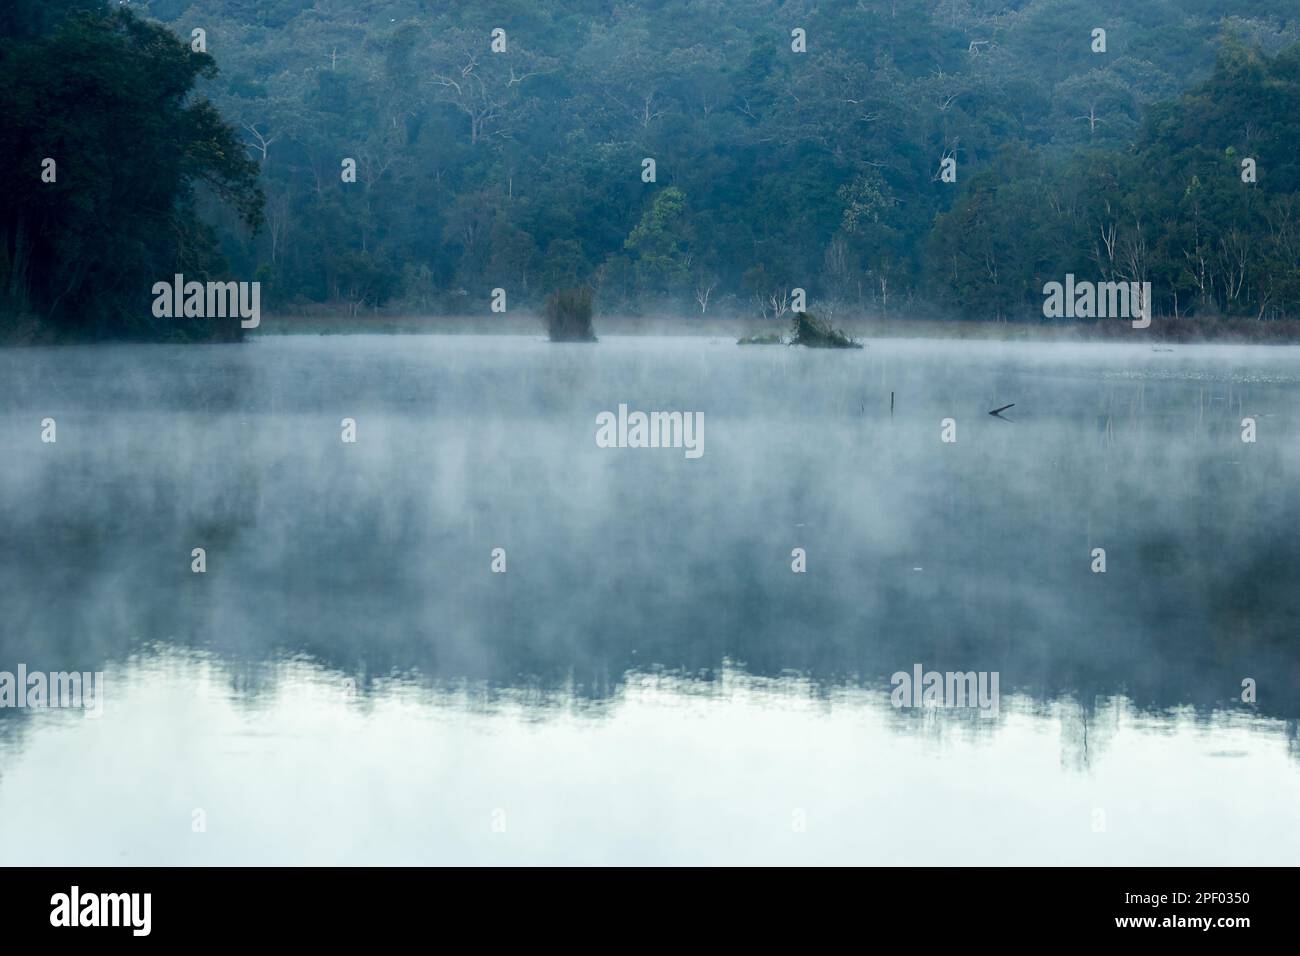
[649,681]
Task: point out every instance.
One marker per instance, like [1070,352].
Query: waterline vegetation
[817,333]
[568,316]
[762,338]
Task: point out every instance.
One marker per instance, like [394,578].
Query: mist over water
[349,682]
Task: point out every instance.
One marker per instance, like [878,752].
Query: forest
[898,158]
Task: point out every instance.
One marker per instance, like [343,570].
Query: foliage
[775,169]
[815,333]
[762,338]
[1176,211]
[107,96]
[568,316]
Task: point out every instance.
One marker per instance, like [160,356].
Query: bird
[997,412]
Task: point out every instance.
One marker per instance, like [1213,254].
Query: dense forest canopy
[773,169]
[108,149]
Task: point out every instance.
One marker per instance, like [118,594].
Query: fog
[648,620]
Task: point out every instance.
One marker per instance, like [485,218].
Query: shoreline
[1161,332]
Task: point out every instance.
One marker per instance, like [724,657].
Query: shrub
[568,316]
[819,334]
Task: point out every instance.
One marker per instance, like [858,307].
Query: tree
[109,98]
[661,243]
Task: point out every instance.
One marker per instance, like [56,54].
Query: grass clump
[817,333]
[568,316]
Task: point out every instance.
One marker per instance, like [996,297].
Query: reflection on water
[648,681]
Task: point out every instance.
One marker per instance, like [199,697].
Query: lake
[349,680]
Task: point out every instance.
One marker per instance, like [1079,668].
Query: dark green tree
[109,99]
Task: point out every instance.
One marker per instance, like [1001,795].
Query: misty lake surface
[649,681]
